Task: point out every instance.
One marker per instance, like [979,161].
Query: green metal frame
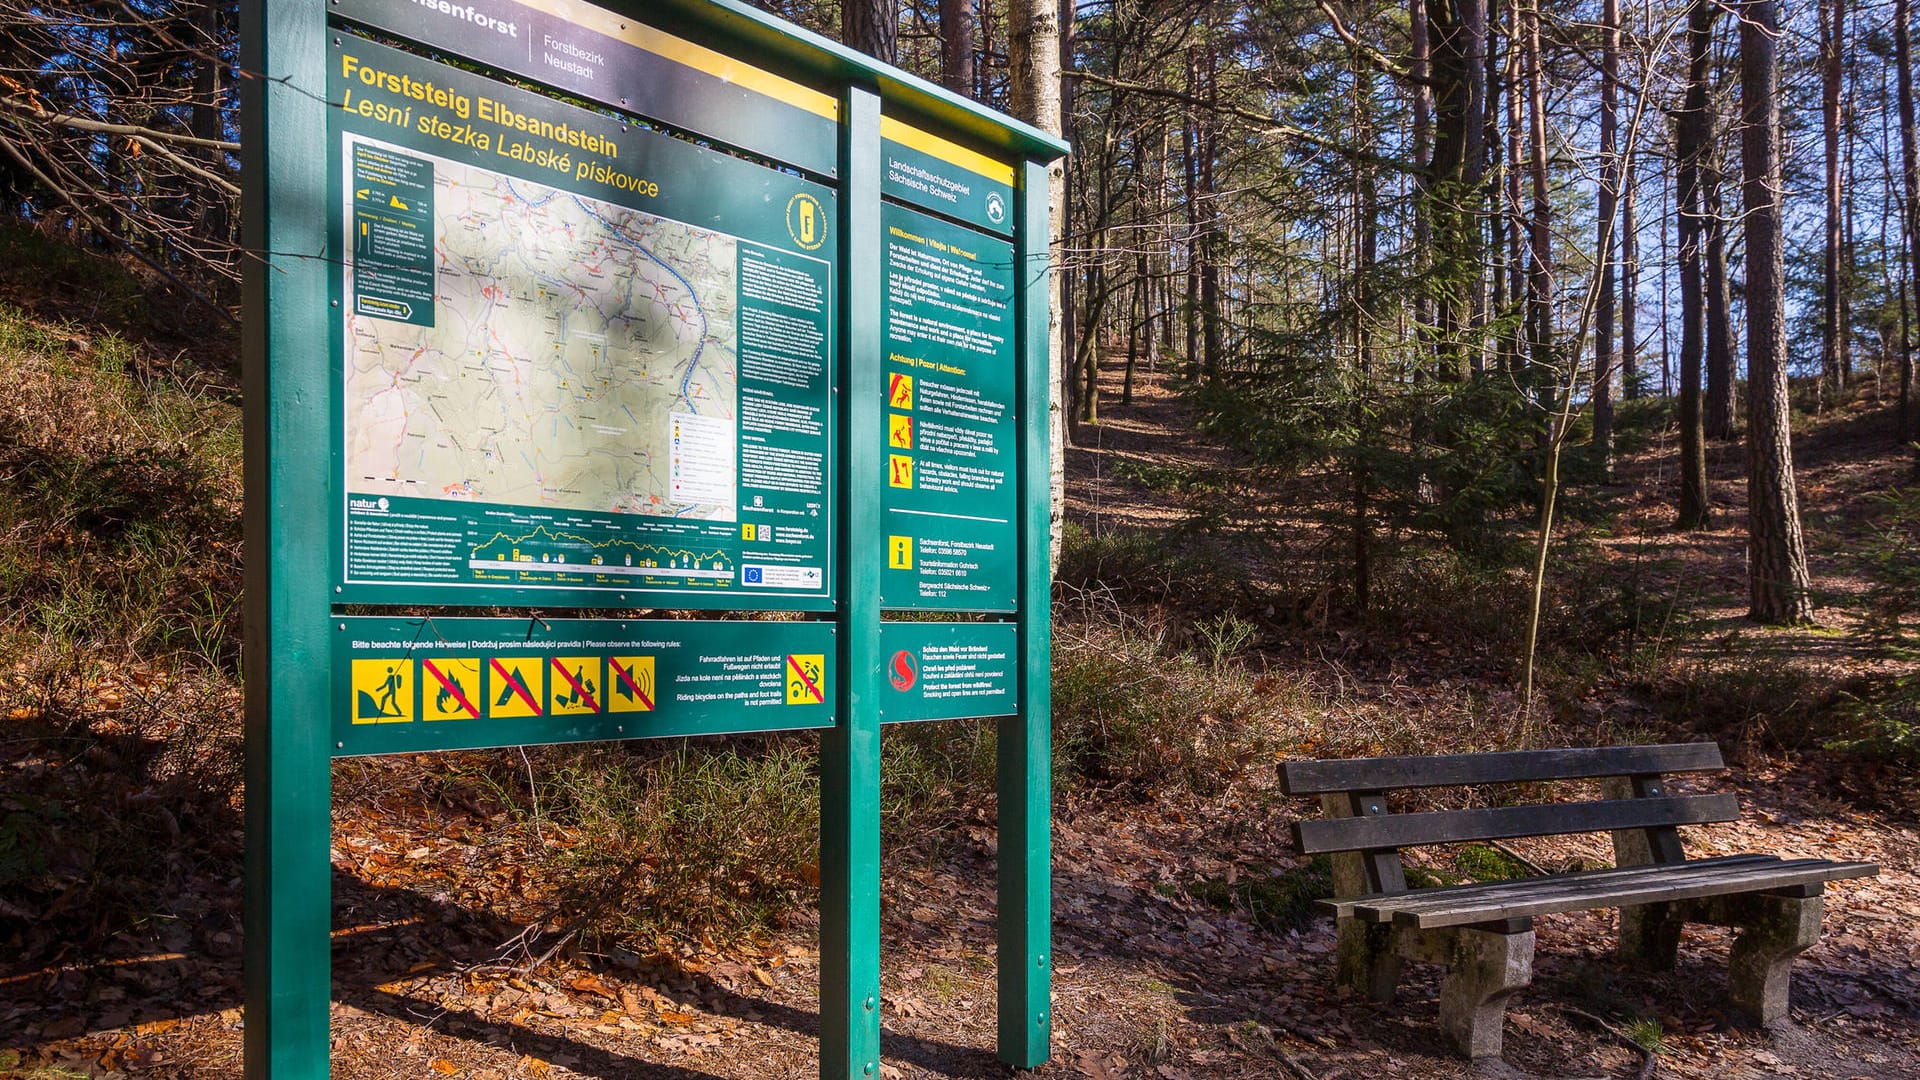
[292,330]
[287,648]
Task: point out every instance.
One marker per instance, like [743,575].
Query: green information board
[949,493]
[635,311]
[583,363]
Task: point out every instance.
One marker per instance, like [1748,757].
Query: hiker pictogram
[382,693]
[630,684]
[806,679]
[575,684]
[515,686]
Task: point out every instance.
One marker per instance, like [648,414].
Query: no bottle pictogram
[576,685]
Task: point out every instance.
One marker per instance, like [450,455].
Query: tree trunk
[956,46]
[1777,560]
[873,27]
[1540,267]
[1516,233]
[1034,84]
[1420,44]
[1629,288]
[1696,506]
[1910,167]
[1457,66]
[1603,362]
[1722,376]
[1834,360]
[1210,240]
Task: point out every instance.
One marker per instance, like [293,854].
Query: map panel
[580,355]
[579,362]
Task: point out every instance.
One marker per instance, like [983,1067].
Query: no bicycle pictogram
[806,679]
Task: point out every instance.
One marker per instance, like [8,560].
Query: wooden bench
[1483,933]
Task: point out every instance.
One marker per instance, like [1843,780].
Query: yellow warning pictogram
[450,688]
[575,683]
[899,391]
[899,431]
[382,692]
[516,686]
[899,470]
[806,679]
[630,684]
[899,552]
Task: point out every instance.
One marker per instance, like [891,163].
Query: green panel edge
[1025,742]
[285,334]
[850,751]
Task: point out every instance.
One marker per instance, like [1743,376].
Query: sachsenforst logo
[806,221]
[996,208]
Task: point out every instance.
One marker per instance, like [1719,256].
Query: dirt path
[1150,981]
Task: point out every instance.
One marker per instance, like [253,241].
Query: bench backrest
[1640,813]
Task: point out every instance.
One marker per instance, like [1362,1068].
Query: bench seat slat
[1568,892]
[1506,767]
[1502,822]
[1474,890]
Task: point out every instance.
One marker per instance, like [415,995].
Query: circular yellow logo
[806,221]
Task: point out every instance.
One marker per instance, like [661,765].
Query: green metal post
[1026,739]
[850,751]
[286,328]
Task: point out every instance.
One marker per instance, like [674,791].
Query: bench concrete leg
[1484,967]
[1366,961]
[1772,931]
[1650,936]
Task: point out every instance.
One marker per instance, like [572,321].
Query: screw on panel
[869,1002]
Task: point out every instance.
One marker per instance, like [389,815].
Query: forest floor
[1155,975]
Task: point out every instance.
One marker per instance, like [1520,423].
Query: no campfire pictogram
[451,687]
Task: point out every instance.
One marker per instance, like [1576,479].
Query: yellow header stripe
[700,58]
[950,152]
